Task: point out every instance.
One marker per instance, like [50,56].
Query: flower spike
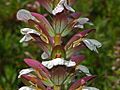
[61,61]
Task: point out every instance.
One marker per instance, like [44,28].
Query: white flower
[92,44]
[58,61]
[83,69]
[26,32]
[25,15]
[81,22]
[44,55]
[90,88]
[25,71]
[60,7]
[26,88]
[68,7]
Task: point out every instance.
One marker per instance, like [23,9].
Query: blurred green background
[105,14]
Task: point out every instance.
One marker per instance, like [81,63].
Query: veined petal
[58,61]
[90,88]
[42,44]
[35,80]
[47,4]
[43,30]
[60,22]
[73,51]
[45,22]
[26,88]
[41,71]
[77,59]
[24,15]
[63,23]
[80,82]
[92,44]
[36,65]
[75,15]
[77,38]
[83,69]
[25,71]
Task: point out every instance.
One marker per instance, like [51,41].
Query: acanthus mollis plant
[60,59]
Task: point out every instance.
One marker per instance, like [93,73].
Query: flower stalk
[57,39]
[57,87]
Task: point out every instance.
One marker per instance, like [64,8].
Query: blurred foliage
[103,13]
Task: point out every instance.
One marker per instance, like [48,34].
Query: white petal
[90,88]
[84,69]
[83,20]
[92,44]
[24,15]
[24,30]
[90,23]
[44,55]
[89,44]
[58,9]
[47,64]
[61,62]
[26,88]
[78,26]
[28,30]
[25,71]
[70,64]
[96,43]
[58,61]
[26,38]
[68,7]
[50,65]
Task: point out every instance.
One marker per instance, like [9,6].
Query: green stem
[57,88]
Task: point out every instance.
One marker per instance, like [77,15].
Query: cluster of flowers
[60,60]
